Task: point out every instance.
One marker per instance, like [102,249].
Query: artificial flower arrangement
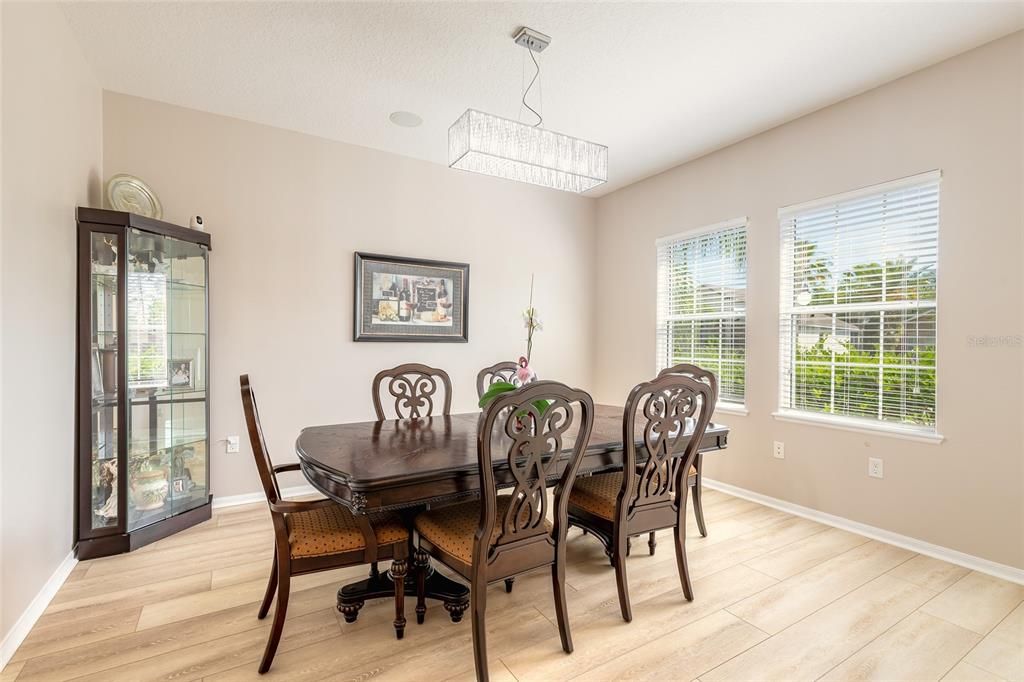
[524,372]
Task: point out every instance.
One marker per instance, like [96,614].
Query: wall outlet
[779,450]
[231,444]
[875,467]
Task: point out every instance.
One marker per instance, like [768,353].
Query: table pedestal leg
[378,585]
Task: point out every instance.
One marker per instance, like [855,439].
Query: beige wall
[286,211]
[52,148]
[963,116]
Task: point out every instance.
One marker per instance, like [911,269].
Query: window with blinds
[147,329]
[701,314]
[858,304]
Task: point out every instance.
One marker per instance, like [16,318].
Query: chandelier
[484,143]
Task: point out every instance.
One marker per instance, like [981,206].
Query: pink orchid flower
[524,372]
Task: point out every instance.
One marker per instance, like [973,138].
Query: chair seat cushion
[332,530]
[453,528]
[597,494]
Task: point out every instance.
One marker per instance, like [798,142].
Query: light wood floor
[777,597]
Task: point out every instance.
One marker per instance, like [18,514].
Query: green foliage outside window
[850,376]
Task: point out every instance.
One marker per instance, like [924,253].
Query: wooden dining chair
[501,371]
[672,413]
[318,535]
[695,475]
[414,388]
[503,535]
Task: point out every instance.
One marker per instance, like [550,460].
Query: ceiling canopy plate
[531,40]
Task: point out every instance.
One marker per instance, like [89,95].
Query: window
[858,305]
[702,292]
[147,329]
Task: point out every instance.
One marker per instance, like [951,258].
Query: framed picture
[410,299]
[179,373]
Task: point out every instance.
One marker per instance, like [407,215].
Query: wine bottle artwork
[399,299]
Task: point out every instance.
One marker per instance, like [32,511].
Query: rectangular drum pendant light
[488,144]
[492,145]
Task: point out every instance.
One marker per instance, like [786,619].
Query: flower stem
[529,332]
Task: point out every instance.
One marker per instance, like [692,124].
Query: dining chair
[694,479]
[672,412]
[414,388]
[503,535]
[501,371]
[318,535]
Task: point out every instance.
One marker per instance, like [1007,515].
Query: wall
[52,127]
[963,116]
[286,211]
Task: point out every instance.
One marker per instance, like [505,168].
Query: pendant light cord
[540,119]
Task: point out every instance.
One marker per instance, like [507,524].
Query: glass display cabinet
[143,416]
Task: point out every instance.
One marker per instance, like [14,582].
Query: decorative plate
[129,193]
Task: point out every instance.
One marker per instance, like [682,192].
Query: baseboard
[1011,573]
[249,498]
[17,634]
[13,639]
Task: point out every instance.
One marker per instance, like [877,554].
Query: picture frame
[180,373]
[397,298]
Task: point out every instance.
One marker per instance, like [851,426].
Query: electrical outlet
[875,467]
[232,444]
[779,450]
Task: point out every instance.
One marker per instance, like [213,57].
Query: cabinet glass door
[166,351]
[187,375]
[104,247]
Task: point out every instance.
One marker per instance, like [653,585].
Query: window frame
[731,407]
[787,362]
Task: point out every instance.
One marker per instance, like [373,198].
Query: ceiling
[658,83]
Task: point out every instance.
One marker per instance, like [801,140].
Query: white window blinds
[701,313]
[147,329]
[858,304]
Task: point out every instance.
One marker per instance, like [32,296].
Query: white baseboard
[1011,573]
[249,498]
[17,634]
[13,639]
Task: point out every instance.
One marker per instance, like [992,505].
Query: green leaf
[495,389]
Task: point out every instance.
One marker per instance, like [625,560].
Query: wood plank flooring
[777,597]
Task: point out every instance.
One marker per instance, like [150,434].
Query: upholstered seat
[453,528]
[332,530]
[597,494]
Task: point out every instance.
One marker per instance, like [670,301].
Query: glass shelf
[110,279]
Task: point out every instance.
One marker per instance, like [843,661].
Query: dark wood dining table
[407,465]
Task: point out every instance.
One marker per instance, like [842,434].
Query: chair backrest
[501,371]
[660,409]
[259,446]
[532,438]
[698,373]
[414,389]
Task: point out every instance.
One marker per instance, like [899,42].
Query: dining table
[408,465]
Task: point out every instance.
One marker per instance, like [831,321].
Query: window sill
[732,408]
[844,424]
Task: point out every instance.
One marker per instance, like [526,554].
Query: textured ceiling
[658,83]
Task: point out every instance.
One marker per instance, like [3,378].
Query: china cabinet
[142,415]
